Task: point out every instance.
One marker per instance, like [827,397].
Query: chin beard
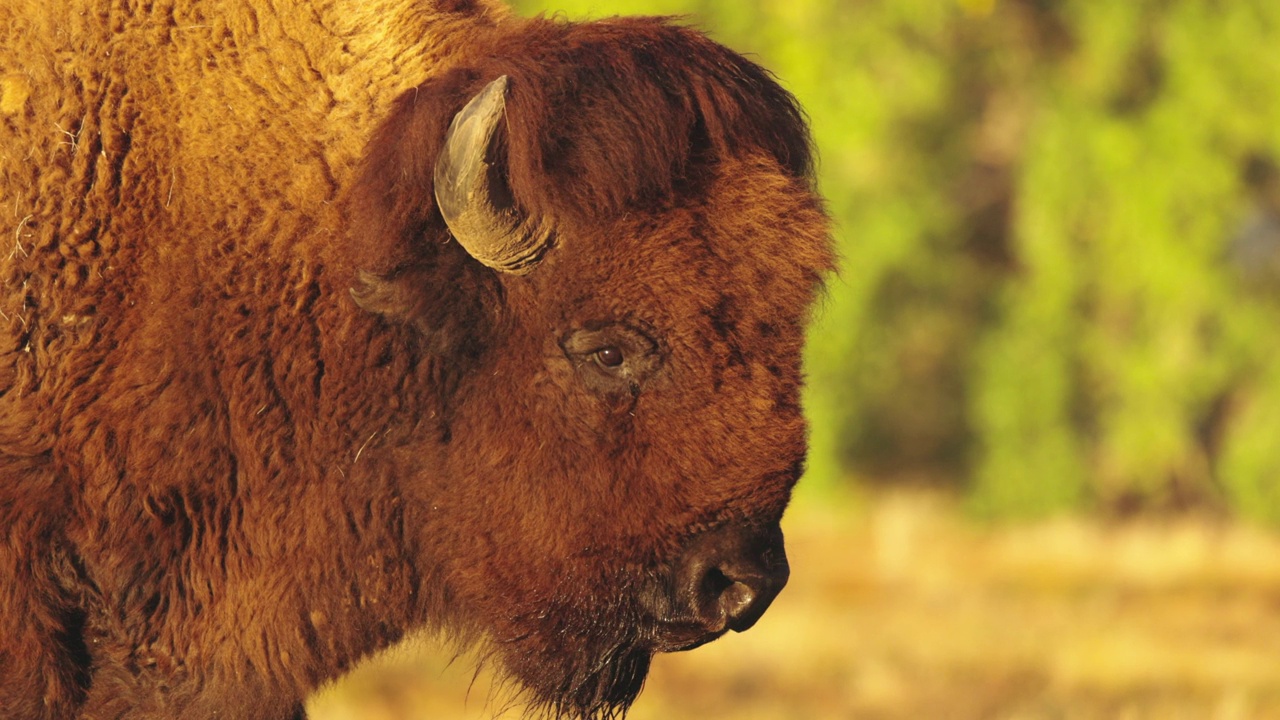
[600,690]
[578,660]
[579,677]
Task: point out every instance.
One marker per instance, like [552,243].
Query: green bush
[1125,365]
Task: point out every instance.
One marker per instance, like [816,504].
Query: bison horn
[472,196]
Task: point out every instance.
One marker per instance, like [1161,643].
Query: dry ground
[900,609]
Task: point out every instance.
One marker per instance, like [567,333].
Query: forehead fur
[756,239]
[629,112]
[602,118]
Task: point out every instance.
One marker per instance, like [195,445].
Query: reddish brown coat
[222,481]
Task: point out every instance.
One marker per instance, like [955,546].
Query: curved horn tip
[466,190]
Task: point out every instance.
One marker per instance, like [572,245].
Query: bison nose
[730,576]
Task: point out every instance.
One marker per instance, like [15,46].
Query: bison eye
[610,357]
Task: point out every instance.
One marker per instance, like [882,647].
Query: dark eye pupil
[609,357]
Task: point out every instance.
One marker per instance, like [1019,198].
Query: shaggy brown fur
[222,481]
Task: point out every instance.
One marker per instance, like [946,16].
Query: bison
[323,322]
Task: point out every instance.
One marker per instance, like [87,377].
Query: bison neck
[194,377]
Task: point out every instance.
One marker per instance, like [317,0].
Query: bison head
[606,242]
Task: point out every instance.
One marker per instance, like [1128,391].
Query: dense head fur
[621,116]
[224,477]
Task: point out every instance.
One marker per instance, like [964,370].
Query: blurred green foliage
[1060,231]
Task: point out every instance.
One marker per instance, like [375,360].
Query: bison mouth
[680,637]
[584,659]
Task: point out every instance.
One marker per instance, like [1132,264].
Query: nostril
[715,583]
[738,602]
[728,577]
[729,600]
[744,602]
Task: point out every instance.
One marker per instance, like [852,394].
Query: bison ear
[452,312]
[405,265]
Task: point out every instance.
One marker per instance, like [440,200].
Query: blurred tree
[1149,345]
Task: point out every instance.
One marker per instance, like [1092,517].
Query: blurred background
[1044,390]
